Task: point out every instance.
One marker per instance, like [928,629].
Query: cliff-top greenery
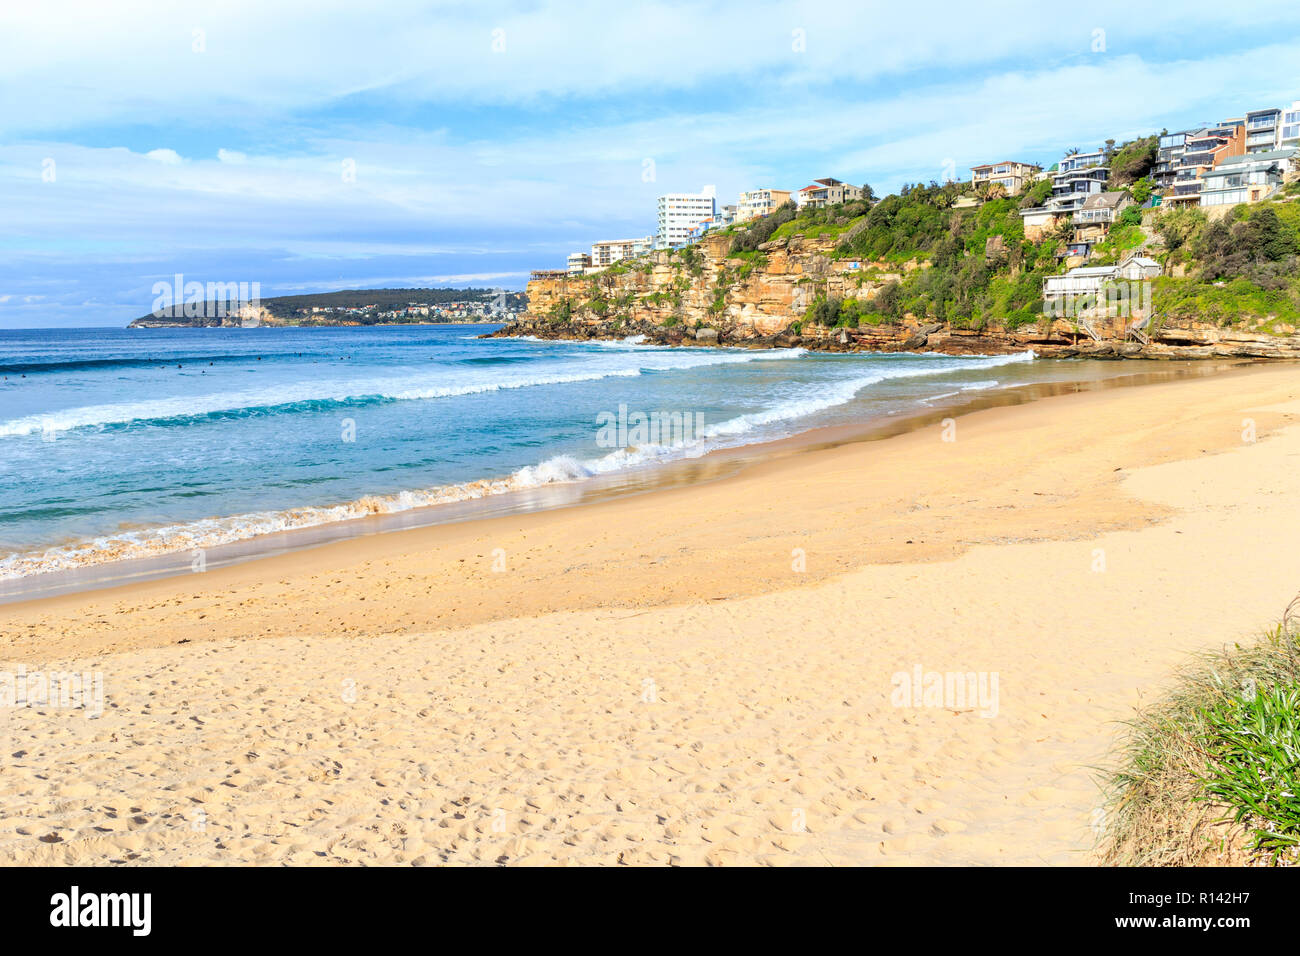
[945,252]
[974,265]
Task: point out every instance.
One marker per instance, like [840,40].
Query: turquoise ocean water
[124,443]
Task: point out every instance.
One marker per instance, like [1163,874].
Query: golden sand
[654,679]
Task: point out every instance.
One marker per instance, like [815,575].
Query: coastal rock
[708,296]
[921,337]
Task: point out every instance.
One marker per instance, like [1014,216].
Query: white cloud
[420,193]
[168,157]
[89,62]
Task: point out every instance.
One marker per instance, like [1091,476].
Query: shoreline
[653,680]
[495,497]
[462,550]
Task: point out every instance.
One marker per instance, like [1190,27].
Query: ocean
[118,444]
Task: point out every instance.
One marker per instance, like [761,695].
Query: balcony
[1233,181]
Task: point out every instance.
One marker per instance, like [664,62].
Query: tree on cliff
[1132,161]
[1248,246]
[1037,194]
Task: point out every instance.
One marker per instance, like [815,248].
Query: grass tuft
[1210,774]
[1253,745]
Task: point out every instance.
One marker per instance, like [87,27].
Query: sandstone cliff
[705,296]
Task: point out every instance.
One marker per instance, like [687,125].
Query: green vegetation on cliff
[972,265]
[1245,265]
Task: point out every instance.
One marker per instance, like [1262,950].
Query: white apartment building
[610,251]
[679,213]
[1290,133]
[760,202]
[1263,130]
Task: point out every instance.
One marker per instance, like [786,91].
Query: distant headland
[348,307]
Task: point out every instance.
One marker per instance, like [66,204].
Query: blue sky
[140,139]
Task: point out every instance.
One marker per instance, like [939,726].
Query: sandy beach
[704,674]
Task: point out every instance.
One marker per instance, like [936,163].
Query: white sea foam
[840,393]
[208,533]
[425,386]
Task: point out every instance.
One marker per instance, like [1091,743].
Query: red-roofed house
[826,192]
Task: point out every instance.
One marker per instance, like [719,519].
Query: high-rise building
[679,213]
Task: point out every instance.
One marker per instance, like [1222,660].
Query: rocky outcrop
[211,317]
[705,296]
[1058,342]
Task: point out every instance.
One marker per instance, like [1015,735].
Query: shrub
[1209,773]
[761,230]
[823,311]
[1253,745]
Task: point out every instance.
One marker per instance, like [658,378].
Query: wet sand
[721,463]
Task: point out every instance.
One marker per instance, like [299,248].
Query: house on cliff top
[1010,175]
[826,192]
